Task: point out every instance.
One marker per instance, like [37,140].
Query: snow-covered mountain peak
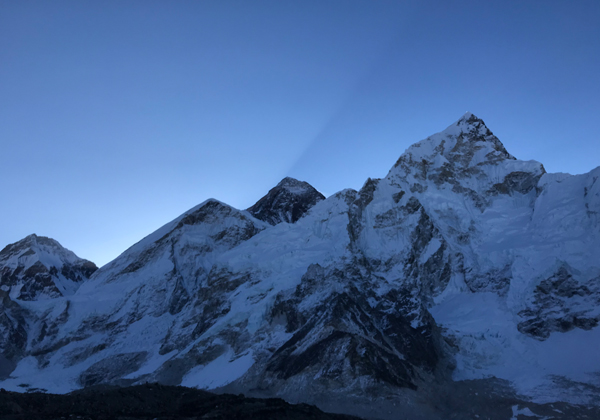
[294,185]
[469,118]
[38,267]
[468,160]
[34,248]
[207,228]
[467,123]
[468,143]
[287,202]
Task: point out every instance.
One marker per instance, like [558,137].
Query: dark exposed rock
[398,196]
[468,142]
[478,131]
[210,302]
[107,370]
[550,309]
[365,195]
[21,267]
[179,298]
[521,182]
[50,327]
[13,337]
[497,281]
[355,211]
[287,202]
[456,163]
[394,342]
[213,212]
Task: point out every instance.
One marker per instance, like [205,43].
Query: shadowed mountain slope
[463,269]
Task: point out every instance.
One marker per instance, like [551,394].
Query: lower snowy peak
[35,271]
[287,202]
[125,313]
[37,267]
[189,242]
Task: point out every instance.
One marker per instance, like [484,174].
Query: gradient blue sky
[117,116]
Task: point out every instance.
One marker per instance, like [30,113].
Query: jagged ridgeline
[465,281]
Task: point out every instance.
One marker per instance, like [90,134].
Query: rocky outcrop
[13,338]
[561,303]
[287,202]
[34,269]
[40,268]
[346,335]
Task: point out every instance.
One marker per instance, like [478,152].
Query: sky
[117,116]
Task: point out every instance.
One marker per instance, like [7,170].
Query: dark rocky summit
[287,202]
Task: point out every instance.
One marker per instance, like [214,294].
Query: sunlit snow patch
[221,371]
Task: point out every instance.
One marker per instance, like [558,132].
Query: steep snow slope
[529,244]
[463,262]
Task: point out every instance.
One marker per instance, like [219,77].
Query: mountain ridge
[462,264]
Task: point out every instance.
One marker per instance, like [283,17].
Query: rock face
[38,268]
[287,202]
[14,334]
[561,303]
[34,269]
[462,264]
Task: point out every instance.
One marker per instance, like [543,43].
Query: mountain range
[465,283]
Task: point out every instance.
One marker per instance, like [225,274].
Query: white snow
[491,346]
[524,237]
[524,411]
[221,371]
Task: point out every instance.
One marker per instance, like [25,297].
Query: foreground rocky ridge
[462,264]
[153,402]
[488,400]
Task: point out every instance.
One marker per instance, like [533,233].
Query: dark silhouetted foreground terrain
[153,401]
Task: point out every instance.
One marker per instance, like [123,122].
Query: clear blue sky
[117,116]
